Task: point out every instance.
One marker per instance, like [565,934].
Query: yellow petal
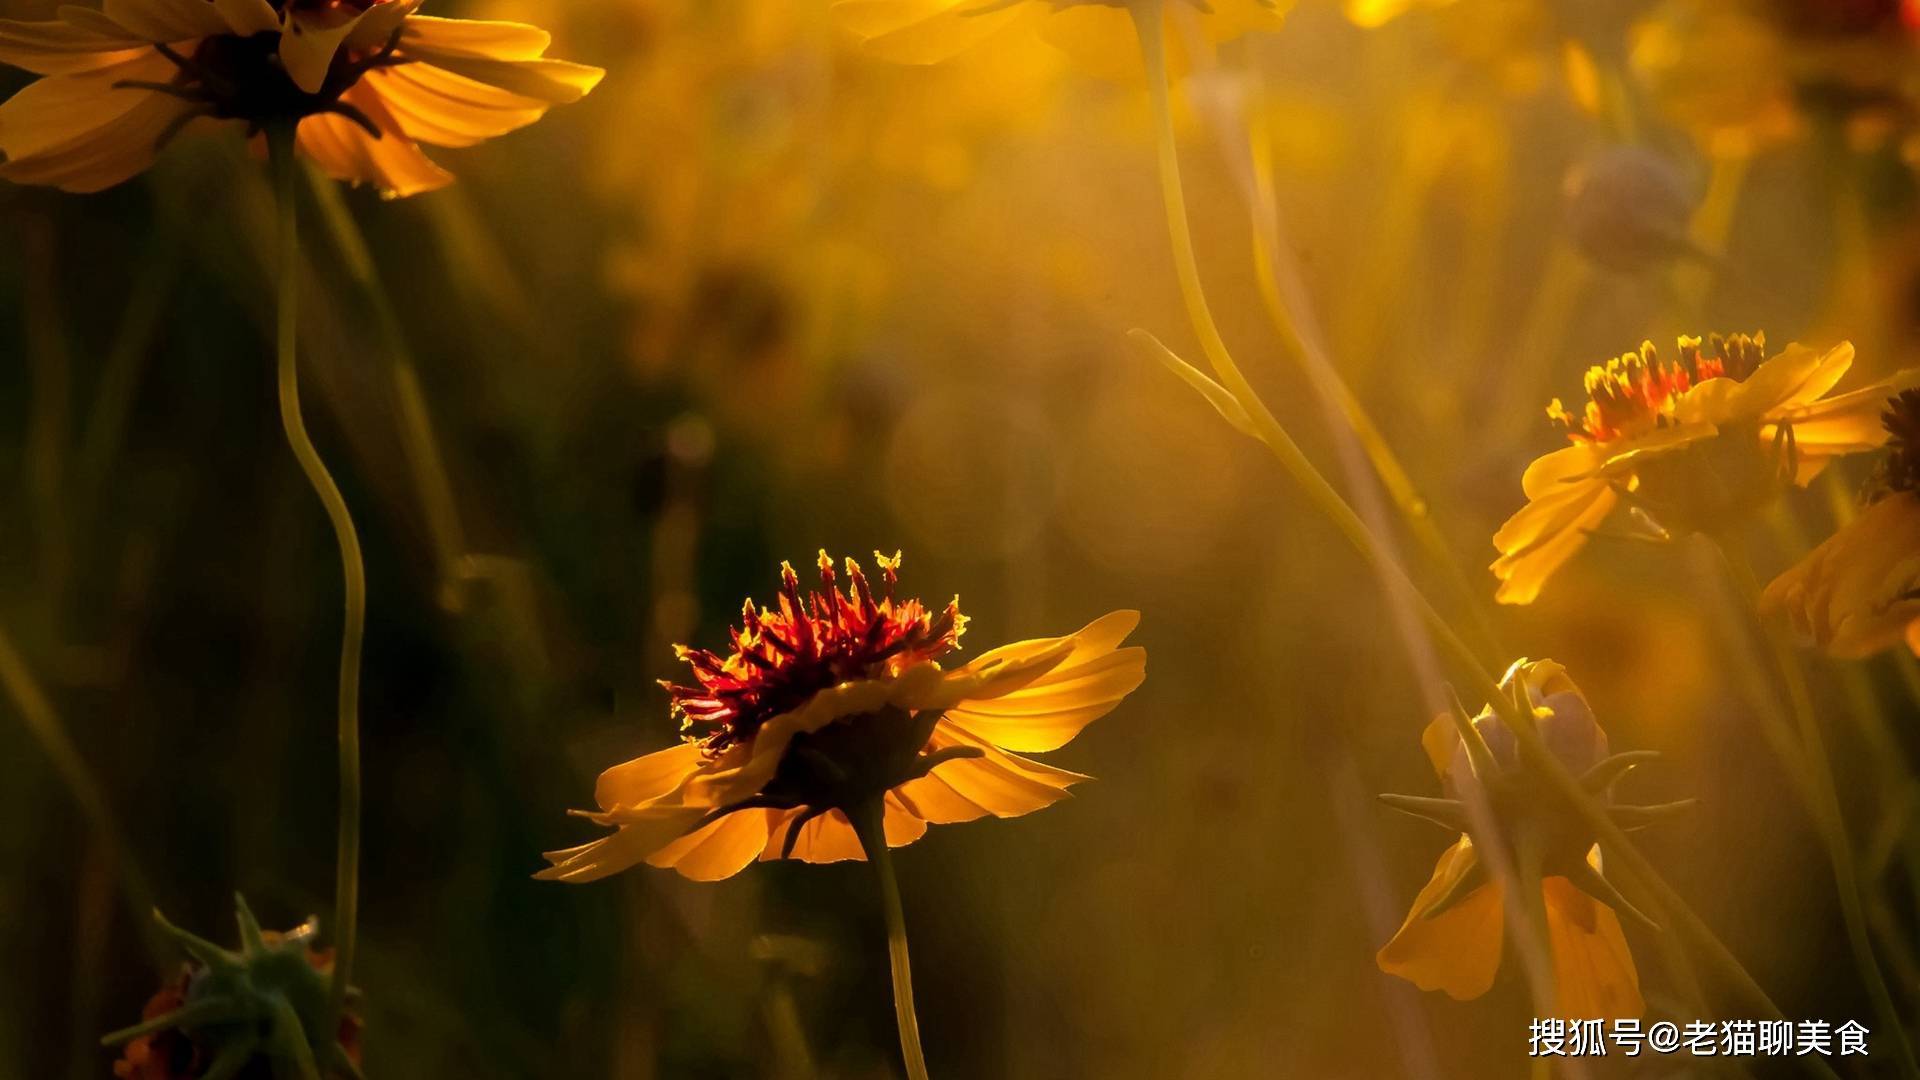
[80,134]
[59,47]
[1457,950]
[166,20]
[1441,740]
[1046,712]
[1540,538]
[1594,974]
[1852,595]
[932,798]
[1796,376]
[629,846]
[439,107]
[501,55]
[1004,784]
[830,837]
[645,779]
[393,163]
[1550,474]
[719,850]
[476,39]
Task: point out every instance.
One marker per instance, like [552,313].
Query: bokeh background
[759,295]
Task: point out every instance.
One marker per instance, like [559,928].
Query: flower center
[229,77]
[1900,471]
[1634,393]
[781,657]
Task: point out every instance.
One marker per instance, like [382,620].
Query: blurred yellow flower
[1099,32]
[836,700]
[365,80]
[1858,593]
[1454,935]
[1744,75]
[1694,445]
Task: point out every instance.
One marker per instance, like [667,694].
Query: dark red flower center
[781,657]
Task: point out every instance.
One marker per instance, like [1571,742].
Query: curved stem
[1825,809]
[869,822]
[346,897]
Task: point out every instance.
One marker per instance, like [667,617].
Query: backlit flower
[250,1013]
[366,81]
[1858,593]
[831,700]
[1099,31]
[1693,444]
[1453,937]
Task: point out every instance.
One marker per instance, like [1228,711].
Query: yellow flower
[365,80]
[1858,593]
[1744,76]
[837,699]
[1097,31]
[1454,935]
[1694,445]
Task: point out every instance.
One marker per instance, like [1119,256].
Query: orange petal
[628,846]
[719,850]
[1047,712]
[1594,974]
[830,837]
[1458,950]
[445,109]
[80,134]
[1539,539]
[59,47]
[393,163]
[645,779]
[166,20]
[1006,785]
[506,56]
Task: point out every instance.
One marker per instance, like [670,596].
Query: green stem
[1668,905]
[1825,808]
[1340,399]
[869,822]
[346,897]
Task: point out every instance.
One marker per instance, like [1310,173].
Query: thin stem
[346,897]
[424,460]
[1826,810]
[1668,905]
[869,822]
[1340,400]
[43,723]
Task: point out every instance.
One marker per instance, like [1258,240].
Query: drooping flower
[1692,445]
[366,81]
[1098,31]
[830,701]
[256,1012]
[1858,593]
[1453,937]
